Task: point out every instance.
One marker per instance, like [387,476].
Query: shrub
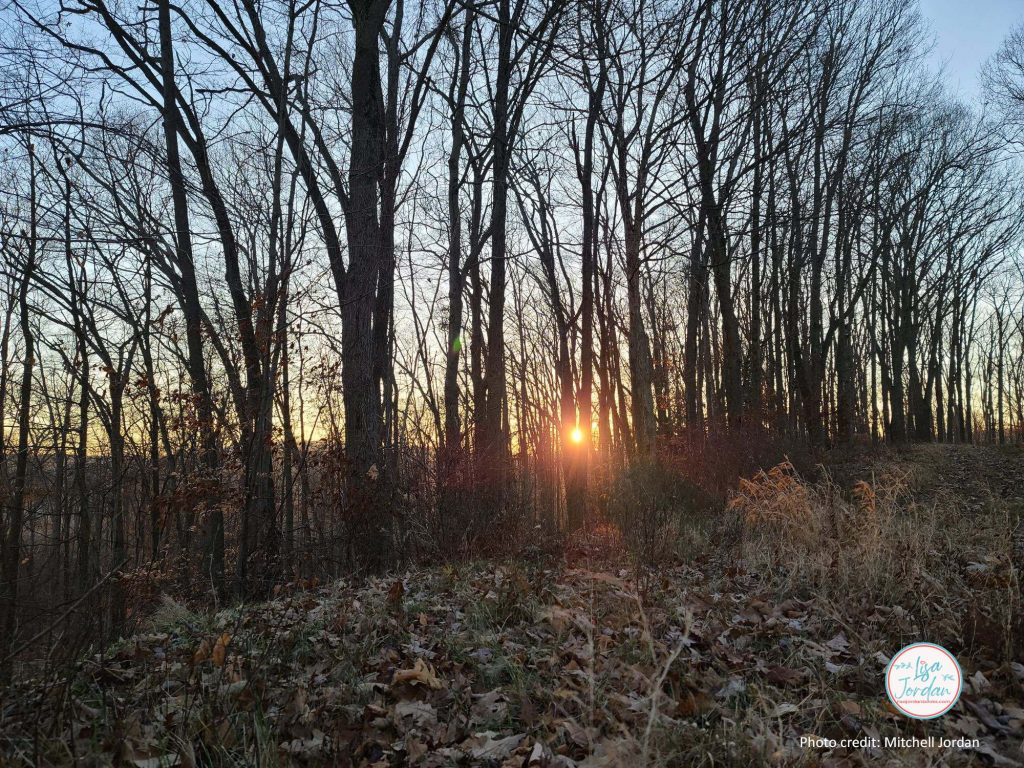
[715,458]
[650,503]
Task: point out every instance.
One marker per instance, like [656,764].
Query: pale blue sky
[967,33]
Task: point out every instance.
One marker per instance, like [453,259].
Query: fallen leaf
[539,755]
[850,707]
[984,715]
[561,618]
[420,674]
[484,746]
[305,747]
[839,643]
[414,749]
[414,714]
[395,594]
[220,649]
[693,704]
[784,675]
[1000,761]
[734,686]
[489,707]
[979,683]
[202,652]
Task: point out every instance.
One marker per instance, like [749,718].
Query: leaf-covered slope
[503,666]
[727,660]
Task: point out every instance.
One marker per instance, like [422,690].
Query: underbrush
[655,508]
[815,535]
[668,507]
[949,567]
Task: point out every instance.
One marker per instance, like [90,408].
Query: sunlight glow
[576,435]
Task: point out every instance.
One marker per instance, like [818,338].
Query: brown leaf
[415,749]
[850,707]
[891,711]
[420,674]
[395,594]
[784,676]
[220,649]
[202,652]
[839,643]
[486,745]
[489,707]
[414,714]
[562,618]
[694,704]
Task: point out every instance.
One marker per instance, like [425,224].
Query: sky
[967,33]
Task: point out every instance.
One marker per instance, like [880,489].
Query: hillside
[723,655]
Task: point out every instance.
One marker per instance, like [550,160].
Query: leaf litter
[585,662]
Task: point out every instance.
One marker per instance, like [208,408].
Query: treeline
[296,288]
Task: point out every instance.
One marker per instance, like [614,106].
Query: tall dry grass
[949,564]
[814,534]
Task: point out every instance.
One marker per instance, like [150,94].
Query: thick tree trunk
[456,280]
[495,437]
[118,549]
[589,245]
[363,415]
[640,368]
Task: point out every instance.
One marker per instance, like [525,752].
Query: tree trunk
[13,520]
[363,417]
[191,309]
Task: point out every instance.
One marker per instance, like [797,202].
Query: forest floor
[773,621]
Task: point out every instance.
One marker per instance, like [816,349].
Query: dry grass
[877,543]
[816,535]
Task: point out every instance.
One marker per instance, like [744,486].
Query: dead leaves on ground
[508,667]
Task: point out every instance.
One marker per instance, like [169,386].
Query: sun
[576,435]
